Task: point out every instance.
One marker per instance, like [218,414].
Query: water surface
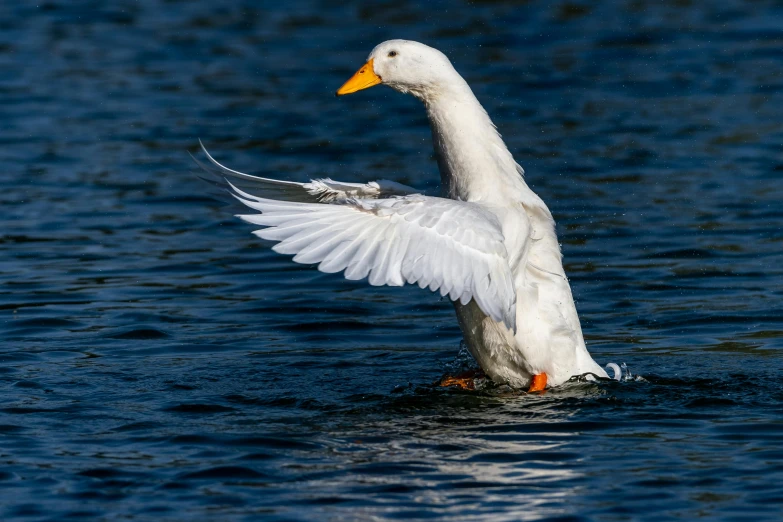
[158,362]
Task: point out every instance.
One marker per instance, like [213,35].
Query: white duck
[489,243]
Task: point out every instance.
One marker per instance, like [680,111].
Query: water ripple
[159,363]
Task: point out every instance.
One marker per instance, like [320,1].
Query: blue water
[158,362]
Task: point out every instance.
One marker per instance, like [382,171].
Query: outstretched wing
[316,191]
[449,246]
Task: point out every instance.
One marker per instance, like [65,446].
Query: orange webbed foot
[464,380]
[538,383]
[464,383]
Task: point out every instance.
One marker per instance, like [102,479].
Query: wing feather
[453,247]
[316,191]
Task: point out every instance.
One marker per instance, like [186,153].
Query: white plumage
[489,244]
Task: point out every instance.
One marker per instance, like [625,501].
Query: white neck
[474,163]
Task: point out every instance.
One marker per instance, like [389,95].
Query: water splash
[462,362]
[621,372]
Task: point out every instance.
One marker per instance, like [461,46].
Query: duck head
[405,66]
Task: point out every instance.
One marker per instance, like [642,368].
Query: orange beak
[363,79]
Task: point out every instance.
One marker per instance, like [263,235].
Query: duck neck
[474,163]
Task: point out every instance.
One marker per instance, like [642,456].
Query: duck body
[489,242]
[476,167]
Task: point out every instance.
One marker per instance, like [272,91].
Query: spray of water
[621,372]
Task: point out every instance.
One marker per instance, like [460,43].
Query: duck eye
[392,54]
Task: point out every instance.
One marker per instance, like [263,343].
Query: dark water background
[159,363]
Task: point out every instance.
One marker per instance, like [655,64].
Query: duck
[488,242]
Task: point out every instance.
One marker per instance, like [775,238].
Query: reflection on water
[159,363]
